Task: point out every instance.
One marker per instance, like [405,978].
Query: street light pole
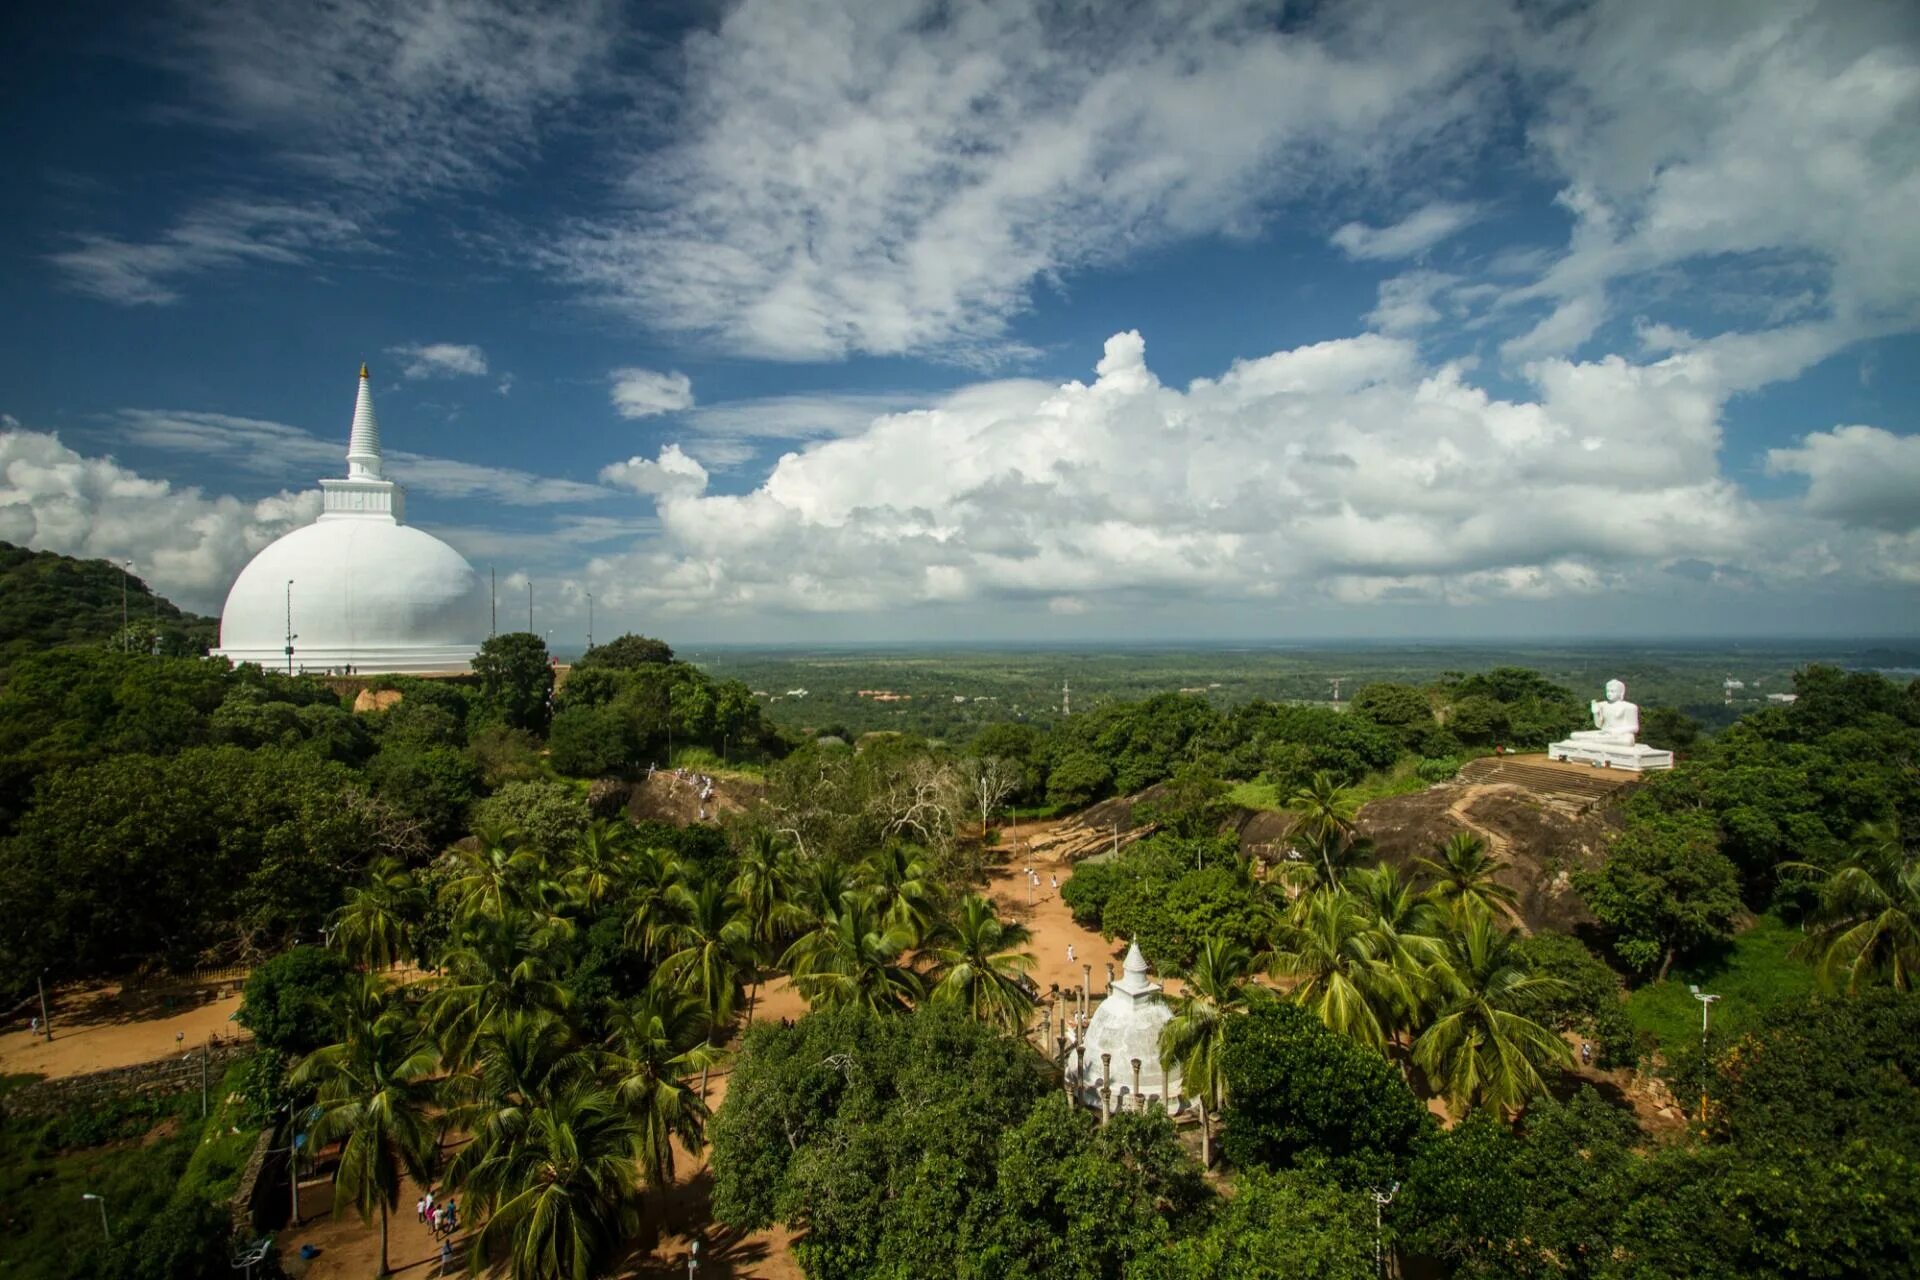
[102,1202]
[290,636]
[126,571]
[1706,1008]
[1381,1199]
[46,1023]
[589,621]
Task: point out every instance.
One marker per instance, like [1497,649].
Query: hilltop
[50,601]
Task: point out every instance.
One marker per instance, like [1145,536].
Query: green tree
[1665,891]
[1275,1226]
[563,1200]
[1195,1037]
[1867,916]
[432,785]
[854,958]
[626,652]
[657,1042]
[1477,1049]
[374,926]
[291,1003]
[590,742]
[709,951]
[1464,871]
[1303,1095]
[978,967]
[516,679]
[1344,974]
[374,1089]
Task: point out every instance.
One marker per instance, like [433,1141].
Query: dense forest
[1385,1053]
[49,600]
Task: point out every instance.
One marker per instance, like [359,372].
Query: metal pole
[126,571]
[529,606]
[589,620]
[290,635]
[493,595]
[203,1081]
[102,1202]
[46,1023]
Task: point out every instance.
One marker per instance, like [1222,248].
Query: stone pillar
[1047,1036]
[1080,1067]
[1109,975]
[1206,1135]
[1086,989]
[1139,1103]
[1106,1101]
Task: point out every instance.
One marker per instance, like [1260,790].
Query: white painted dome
[1126,1026]
[367,591]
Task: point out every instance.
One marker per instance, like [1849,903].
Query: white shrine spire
[363,445]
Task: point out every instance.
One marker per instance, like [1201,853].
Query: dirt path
[1497,844]
[96,1027]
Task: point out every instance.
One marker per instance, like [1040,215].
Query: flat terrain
[97,1026]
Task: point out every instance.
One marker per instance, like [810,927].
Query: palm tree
[501,967]
[521,1057]
[709,948]
[657,1043]
[896,882]
[375,1090]
[1214,988]
[1403,922]
[1464,871]
[599,863]
[977,966]
[563,1200]
[853,958]
[1346,978]
[1325,831]
[493,871]
[372,929]
[767,884]
[658,880]
[1476,1049]
[1866,921]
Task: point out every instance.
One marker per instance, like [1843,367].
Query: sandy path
[1460,810]
[95,1028]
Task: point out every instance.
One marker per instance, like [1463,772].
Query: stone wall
[176,1073]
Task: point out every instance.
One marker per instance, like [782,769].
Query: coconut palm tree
[1325,833]
[1403,921]
[520,1058]
[1477,1050]
[655,888]
[600,858]
[853,958]
[493,872]
[500,967]
[895,880]
[1866,920]
[375,1089]
[977,966]
[373,928]
[1464,871]
[1329,944]
[767,884]
[709,949]
[563,1201]
[1213,990]
[657,1043]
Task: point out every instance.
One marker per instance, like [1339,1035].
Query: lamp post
[46,1023]
[589,622]
[1381,1199]
[693,1260]
[1706,1009]
[126,572]
[102,1202]
[290,636]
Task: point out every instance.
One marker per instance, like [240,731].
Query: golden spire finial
[363,368]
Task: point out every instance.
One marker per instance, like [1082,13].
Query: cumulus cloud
[1414,234]
[1857,475]
[1347,470]
[672,474]
[644,393]
[188,545]
[441,360]
[896,177]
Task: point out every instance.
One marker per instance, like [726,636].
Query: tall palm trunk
[385,1269]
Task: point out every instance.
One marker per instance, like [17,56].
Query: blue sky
[818,320]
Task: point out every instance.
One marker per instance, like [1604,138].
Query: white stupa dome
[1126,1026]
[357,588]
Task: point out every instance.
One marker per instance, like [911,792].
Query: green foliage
[1076,777]
[291,1003]
[431,785]
[848,1124]
[1752,972]
[505,755]
[1303,1096]
[551,815]
[625,653]
[51,601]
[1666,891]
[1275,1226]
[1588,999]
[516,679]
[1513,706]
[1172,919]
[1190,805]
[590,742]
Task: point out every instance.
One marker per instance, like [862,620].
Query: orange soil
[95,1028]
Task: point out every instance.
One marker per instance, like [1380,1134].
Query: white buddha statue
[1615,721]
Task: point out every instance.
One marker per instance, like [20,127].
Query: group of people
[699,781]
[444,1218]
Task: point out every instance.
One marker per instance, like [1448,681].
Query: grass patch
[706,760]
[1033,812]
[1255,795]
[1750,974]
[1402,779]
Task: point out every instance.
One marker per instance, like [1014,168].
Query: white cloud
[1418,232]
[229,232]
[1342,471]
[1410,302]
[1857,475]
[187,545]
[277,450]
[441,360]
[644,393]
[896,177]
[673,474]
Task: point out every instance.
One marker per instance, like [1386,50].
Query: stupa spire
[363,444]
